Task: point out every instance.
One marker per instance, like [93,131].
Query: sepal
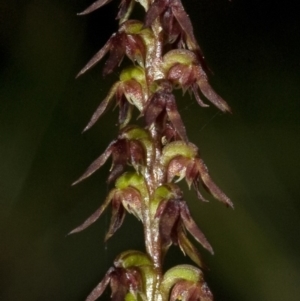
[133,146]
[175,219]
[129,279]
[182,161]
[183,69]
[131,40]
[97,4]
[132,87]
[162,108]
[129,193]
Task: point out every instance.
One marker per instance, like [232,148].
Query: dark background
[253,154]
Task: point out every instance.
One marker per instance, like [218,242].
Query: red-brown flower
[182,161]
[129,40]
[174,220]
[183,69]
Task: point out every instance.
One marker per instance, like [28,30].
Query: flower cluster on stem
[148,161]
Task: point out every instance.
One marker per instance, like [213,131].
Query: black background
[252,48]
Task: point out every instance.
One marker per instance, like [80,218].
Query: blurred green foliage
[253,155]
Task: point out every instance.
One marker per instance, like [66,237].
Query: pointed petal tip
[76,230]
[79,180]
[107,237]
[75,182]
[226,108]
[85,129]
[71,232]
[230,204]
[211,250]
[82,71]
[79,74]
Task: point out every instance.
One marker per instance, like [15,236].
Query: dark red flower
[171,10]
[161,108]
[129,276]
[132,147]
[127,41]
[183,69]
[124,11]
[182,161]
[129,92]
[174,220]
[129,193]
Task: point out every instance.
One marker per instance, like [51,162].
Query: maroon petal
[199,195]
[125,112]
[168,221]
[182,75]
[211,186]
[97,57]
[155,10]
[177,168]
[154,108]
[191,172]
[137,154]
[135,49]
[170,26]
[117,51]
[196,94]
[191,291]
[210,94]
[132,202]
[161,208]
[120,153]
[97,163]
[115,172]
[119,285]
[102,107]
[117,218]
[192,227]
[94,6]
[189,249]
[175,117]
[125,9]
[134,94]
[95,215]
[99,289]
[183,19]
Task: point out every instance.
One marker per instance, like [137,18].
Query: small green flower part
[133,72]
[132,258]
[132,179]
[178,148]
[178,273]
[162,193]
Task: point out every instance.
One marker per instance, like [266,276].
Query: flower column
[147,160]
